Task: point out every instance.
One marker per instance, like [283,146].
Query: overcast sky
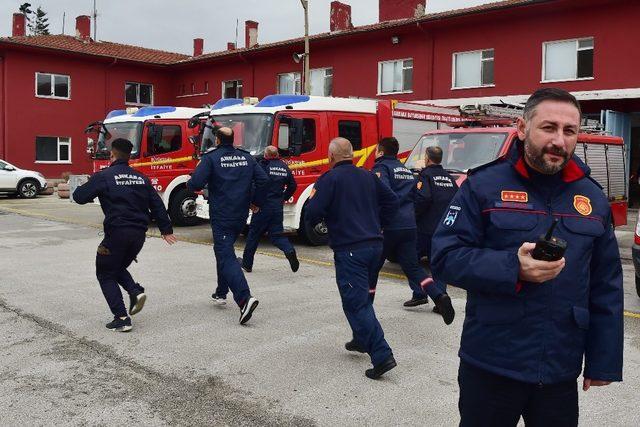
[173,24]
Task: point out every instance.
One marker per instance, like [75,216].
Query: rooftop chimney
[250,34]
[231,46]
[198,47]
[18,25]
[83,27]
[390,10]
[340,17]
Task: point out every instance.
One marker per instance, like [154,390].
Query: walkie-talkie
[548,247]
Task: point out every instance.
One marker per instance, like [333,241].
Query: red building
[498,51]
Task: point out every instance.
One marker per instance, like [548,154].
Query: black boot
[377,371]
[244,267]
[444,308]
[353,345]
[293,261]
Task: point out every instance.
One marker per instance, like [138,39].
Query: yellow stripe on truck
[363,154]
[162,162]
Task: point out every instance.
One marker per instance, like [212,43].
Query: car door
[8,178]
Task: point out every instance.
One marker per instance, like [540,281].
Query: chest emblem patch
[582,205]
[514,196]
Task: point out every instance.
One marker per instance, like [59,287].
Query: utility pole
[95,22]
[307,82]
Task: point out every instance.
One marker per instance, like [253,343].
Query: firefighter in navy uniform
[529,321]
[230,174]
[400,233]
[128,201]
[352,202]
[269,218]
[435,189]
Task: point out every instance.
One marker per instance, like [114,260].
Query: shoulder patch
[582,204]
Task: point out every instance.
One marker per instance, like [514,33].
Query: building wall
[517,40]
[515,35]
[96,88]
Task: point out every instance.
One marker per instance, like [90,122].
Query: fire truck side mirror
[290,134]
[283,137]
[90,146]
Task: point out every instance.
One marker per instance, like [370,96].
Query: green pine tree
[41,26]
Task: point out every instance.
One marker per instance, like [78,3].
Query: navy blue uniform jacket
[435,190]
[400,179]
[126,197]
[230,174]
[352,201]
[537,333]
[281,185]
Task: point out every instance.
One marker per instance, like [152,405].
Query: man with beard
[529,322]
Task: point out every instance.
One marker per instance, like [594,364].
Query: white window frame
[380,63]
[295,79]
[241,85]
[577,41]
[60,143]
[53,76]
[325,77]
[138,93]
[453,69]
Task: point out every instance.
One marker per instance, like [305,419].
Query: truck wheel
[638,285]
[28,189]
[315,236]
[182,208]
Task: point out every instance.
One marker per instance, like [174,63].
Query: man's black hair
[225,139]
[121,148]
[389,146]
[548,94]
[434,153]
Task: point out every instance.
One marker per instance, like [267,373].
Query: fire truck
[487,132]
[301,127]
[163,149]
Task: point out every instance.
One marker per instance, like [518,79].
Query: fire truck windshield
[252,132]
[460,151]
[127,130]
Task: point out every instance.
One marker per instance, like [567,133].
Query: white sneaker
[218,300]
[247,310]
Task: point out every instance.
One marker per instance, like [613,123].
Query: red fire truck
[487,132]
[163,149]
[302,126]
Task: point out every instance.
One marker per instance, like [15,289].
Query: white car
[23,182]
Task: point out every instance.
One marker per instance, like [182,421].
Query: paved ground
[189,363]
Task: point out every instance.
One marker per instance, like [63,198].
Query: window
[138,93]
[351,130]
[567,60]
[289,83]
[395,76]
[53,86]
[52,149]
[308,135]
[473,69]
[232,89]
[321,81]
[170,139]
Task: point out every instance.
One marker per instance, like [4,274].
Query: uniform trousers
[265,222]
[230,275]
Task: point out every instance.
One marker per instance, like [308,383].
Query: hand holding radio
[542,261]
